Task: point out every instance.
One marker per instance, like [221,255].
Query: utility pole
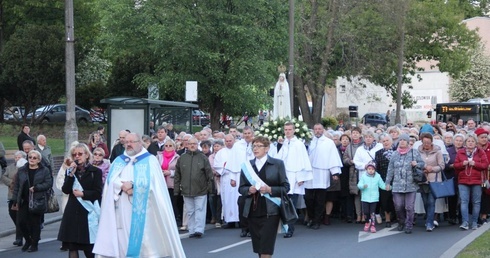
[291,55]
[71,129]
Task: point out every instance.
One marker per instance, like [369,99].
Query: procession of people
[132,200]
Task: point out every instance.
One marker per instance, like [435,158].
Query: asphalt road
[337,240]
[340,240]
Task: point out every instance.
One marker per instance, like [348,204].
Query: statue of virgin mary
[282,101]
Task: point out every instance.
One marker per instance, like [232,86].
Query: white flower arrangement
[274,130]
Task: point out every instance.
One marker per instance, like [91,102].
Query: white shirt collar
[259,163]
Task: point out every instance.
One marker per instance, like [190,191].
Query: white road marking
[47,240]
[366,236]
[229,246]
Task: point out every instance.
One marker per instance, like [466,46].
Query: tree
[475,82]
[376,40]
[232,48]
[32,67]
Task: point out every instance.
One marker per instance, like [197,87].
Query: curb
[46,222]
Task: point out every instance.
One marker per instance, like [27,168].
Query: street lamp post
[71,129]
[291,55]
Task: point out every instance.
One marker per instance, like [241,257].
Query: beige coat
[434,159]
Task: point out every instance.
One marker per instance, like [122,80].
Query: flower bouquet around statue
[274,130]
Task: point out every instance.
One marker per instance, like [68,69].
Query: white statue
[282,101]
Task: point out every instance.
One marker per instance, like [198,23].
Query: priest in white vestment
[282,101]
[136,213]
[242,152]
[298,168]
[325,162]
[229,194]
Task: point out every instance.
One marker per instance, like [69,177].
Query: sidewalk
[7,227]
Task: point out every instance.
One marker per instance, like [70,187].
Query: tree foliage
[32,66]
[231,48]
[475,82]
[363,38]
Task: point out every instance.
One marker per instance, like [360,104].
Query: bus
[478,109]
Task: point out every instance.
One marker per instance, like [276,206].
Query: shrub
[329,121]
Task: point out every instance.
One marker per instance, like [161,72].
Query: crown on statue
[281,68]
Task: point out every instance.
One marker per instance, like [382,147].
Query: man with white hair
[143,230]
[44,149]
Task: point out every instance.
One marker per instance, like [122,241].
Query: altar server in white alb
[242,152]
[325,162]
[298,168]
[136,214]
[229,194]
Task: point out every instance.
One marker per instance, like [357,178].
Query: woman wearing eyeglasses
[31,180]
[83,184]
[168,159]
[100,162]
[96,142]
[263,181]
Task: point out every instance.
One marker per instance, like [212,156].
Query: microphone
[69,170]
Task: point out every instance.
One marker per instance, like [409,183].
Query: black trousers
[13,216]
[241,205]
[294,199]
[30,223]
[315,203]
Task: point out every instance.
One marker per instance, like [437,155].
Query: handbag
[37,205]
[485,183]
[417,174]
[444,188]
[53,205]
[287,210]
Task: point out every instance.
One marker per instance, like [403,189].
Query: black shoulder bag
[417,174]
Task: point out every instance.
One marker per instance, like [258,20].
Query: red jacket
[471,175]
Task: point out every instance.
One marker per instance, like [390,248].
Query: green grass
[57,145]
[478,248]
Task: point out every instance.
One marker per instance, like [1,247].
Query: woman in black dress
[74,230]
[264,178]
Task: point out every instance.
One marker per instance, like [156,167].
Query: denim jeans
[430,208]
[464,195]
[405,208]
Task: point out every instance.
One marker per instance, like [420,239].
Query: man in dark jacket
[193,179]
[119,147]
[157,145]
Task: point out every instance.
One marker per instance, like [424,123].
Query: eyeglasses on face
[33,157]
[132,142]
[76,154]
[98,154]
[168,145]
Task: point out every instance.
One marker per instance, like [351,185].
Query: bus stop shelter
[135,114]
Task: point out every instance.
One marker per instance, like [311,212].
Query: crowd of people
[150,186]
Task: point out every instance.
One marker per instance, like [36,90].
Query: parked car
[57,113]
[374,119]
[13,113]
[199,118]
